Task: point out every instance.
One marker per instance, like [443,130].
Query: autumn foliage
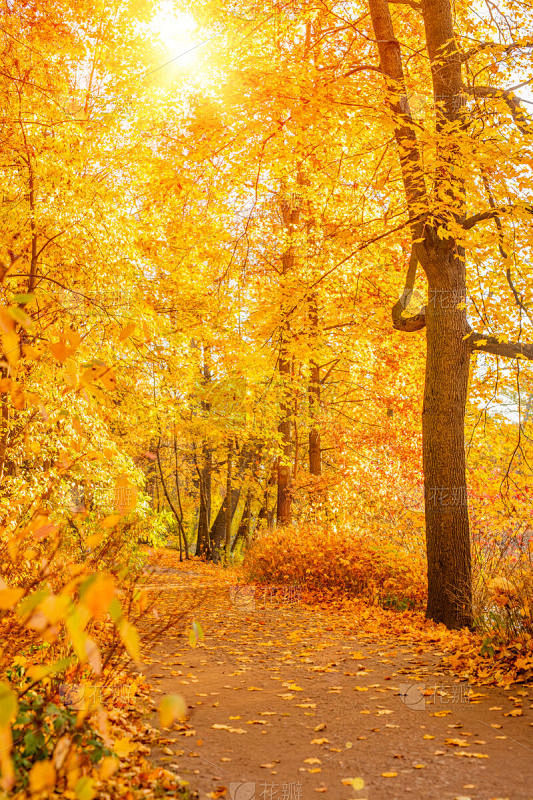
[197,271]
[339,563]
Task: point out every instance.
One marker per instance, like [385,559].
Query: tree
[438,224]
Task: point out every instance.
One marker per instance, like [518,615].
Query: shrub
[324,560]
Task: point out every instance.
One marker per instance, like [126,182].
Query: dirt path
[286,702]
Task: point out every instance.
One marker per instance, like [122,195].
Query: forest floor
[292,701]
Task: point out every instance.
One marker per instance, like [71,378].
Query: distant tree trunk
[219,530]
[228,516]
[178,495]
[203,543]
[315,455]
[243,533]
[284,471]
[290,209]
[167,495]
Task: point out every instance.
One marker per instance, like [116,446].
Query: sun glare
[177,32]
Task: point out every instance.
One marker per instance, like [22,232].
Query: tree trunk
[283,469]
[203,545]
[283,513]
[168,498]
[228,509]
[443,260]
[446,508]
[218,529]
[178,496]
[315,456]
[243,532]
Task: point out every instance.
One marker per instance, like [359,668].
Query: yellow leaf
[389,774]
[110,521]
[126,331]
[94,540]
[10,597]
[59,350]
[42,776]
[10,346]
[516,712]
[99,594]
[7,770]
[7,323]
[356,783]
[61,750]
[130,639]
[171,708]
[8,705]
[123,747]
[108,766]
[84,788]
[55,607]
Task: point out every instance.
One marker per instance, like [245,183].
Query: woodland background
[200,254]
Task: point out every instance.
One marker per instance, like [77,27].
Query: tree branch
[491,344]
[494,212]
[521,119]
[490,213]
[410,3]
[417,321]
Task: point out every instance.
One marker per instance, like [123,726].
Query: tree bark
[228,505]
[315,454]
[445,491]
[167,495]
[290,212]
[203,543]
[283,514]
[448,349]
[178,496]
[243,532]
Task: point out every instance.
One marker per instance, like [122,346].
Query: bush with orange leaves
[327,561]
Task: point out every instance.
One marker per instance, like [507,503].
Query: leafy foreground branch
[72,712]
